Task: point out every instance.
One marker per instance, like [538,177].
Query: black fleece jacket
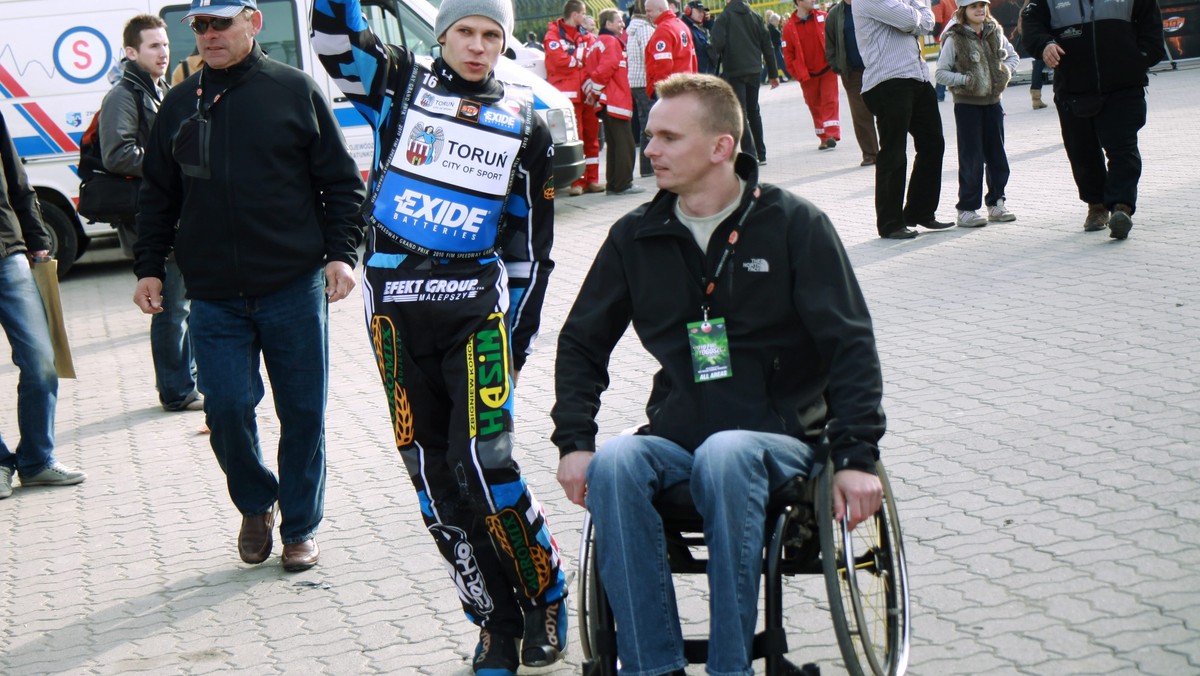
[802,346]
[284,192]
[1108,45]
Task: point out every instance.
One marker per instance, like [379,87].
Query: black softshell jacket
[802,346]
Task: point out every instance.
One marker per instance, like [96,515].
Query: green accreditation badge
[710,350]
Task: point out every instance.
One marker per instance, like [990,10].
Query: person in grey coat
[740,45]
[126,116]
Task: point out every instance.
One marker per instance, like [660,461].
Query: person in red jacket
[608,78]
[804,52]
[566,46]
[670,49]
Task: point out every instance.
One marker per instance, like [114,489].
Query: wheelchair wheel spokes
[867,585]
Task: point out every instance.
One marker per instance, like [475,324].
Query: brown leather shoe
[254,541]
[300,556]
[594,188]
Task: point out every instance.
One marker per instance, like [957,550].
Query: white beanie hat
[500,11]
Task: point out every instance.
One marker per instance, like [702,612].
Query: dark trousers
[904,107]
[619,153]
[864,122]
[980,153]
[641,104]
[1036,75]
[746,88]
[1113,132]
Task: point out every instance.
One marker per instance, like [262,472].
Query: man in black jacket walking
[1100,53]
[744,296]
[740,45]
[247,158]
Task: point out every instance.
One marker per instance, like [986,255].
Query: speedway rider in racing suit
[458,256]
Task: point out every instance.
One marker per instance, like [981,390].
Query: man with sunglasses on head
[247,157]
[461,215]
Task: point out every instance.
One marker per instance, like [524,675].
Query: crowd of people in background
[817,44]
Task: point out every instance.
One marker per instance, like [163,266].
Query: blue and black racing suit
[458,256]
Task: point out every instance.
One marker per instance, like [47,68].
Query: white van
[59,57]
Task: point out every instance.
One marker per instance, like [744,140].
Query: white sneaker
[970,219]
[55,475]
[1000,214]
[5,482]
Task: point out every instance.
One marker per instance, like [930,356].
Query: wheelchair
[864,570]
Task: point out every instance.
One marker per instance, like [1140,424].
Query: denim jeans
[288,329]
[24,322]
[171,343]
[732,474]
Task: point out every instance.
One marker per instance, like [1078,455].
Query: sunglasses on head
[201,26]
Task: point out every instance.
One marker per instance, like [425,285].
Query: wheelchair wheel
[587,588]
[867,582]
[596,637]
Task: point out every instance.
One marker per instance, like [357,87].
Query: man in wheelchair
[743,294]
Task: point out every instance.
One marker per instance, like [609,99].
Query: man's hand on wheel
[859,492]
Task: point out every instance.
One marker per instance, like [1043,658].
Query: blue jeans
[24,320]
[732,474]
[171,343]
[288,329]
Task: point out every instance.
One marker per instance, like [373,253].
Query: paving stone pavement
[1043,392]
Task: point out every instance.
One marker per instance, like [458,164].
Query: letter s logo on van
[82,55]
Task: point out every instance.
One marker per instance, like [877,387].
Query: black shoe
[934,224]
[867,162]
[545,635]
[495,655]
[762,161]
[1119,223]
[902,233]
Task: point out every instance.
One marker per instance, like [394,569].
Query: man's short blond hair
[720,111]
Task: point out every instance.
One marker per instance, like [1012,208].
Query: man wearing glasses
[247,157]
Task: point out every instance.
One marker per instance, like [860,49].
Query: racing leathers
[458,256]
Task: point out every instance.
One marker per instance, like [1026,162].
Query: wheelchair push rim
[867,581]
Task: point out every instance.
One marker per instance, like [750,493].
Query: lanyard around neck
[203,108]
[726,255]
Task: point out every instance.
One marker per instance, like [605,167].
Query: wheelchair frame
[865,577]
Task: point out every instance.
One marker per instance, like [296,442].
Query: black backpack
[104,197]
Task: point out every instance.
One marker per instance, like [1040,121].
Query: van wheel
[63,242]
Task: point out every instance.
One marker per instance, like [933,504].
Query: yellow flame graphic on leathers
[387,355]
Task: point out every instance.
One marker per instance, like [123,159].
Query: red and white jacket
[804,46]
[669,51]
[566,49]
[609,73]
